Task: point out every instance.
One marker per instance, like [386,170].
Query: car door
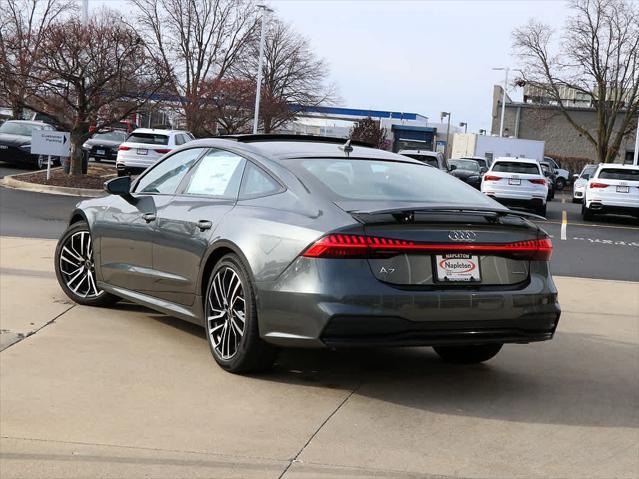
[127,228]
[187,224]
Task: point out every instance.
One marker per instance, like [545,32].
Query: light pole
[256,118]
[443,115]
[503,99]
[635,161]
[465,125]
[85,12]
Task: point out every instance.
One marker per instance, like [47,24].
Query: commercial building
[537,118]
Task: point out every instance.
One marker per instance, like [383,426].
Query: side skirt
[161,305]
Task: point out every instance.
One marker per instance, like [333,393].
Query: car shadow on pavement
[575,379]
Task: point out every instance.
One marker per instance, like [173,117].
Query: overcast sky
[416,56]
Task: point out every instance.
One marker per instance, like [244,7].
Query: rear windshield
[470,165]
[148,138]
[516,167]
[110,136]
[429,160]
[619,174]
[378,180]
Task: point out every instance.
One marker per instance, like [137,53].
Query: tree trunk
[78,137]
[17,110]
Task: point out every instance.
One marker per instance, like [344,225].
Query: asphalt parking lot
[127,392]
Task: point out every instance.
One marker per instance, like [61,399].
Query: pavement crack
[319,428]
[31,333]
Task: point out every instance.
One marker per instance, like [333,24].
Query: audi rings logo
[462,235]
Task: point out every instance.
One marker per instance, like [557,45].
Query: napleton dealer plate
[458,267]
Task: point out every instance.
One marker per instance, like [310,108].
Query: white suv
[145,146]
[517,182]
[612,189]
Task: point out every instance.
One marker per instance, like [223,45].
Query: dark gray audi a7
[273,241]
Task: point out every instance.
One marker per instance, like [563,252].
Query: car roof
[29,122]
[618,165]
[157,132]
[522,160]
[304,147]
[418,152]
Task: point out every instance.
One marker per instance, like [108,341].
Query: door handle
[148,217]
[204,225]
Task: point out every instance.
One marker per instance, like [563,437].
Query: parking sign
[55,143]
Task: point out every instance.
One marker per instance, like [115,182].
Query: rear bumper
[603,208]
[532,203]
[314,304]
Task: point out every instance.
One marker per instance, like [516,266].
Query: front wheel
[75,269]
[231,320]
[472,354]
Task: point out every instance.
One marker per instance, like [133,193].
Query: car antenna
[346,147]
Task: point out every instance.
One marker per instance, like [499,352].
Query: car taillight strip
[599,185]
[359,246]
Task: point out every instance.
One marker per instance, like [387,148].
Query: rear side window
[218,175]
[619,174]
[516,167]
[378,180]
[429,160]
[258,183]
[587,173]
[148,138]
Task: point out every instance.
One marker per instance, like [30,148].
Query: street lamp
[85,12]
[265,11]
[443,115]
[465,125]
[503,99]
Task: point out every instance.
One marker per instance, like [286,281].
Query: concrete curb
[11,181]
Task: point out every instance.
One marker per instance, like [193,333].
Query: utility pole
[85,12]
[503,100]
[256,118]
[635,161]
[443,115]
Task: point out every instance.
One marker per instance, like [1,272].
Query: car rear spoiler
[408,212]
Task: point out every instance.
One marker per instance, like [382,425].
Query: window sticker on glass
[218,174]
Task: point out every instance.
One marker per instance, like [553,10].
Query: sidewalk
[127,392]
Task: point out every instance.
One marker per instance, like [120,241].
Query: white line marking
[564,224]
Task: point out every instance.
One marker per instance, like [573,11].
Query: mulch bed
[94,179]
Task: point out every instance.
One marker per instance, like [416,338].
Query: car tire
[75,270]
[122,173]
[471,354]
[560,184]
[576,200]
[41,162]
[541,211]
[233,332]
[586,214]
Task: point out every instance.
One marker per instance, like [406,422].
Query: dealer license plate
[142,151]
[514,181]
[100,152]
[458,267]
[622,189]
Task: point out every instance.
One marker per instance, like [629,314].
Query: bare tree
[196,41]
[292,74]
[99,73]
[369,131]
[597,59]
[230,102]
[22,27]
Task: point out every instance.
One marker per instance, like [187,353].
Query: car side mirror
[120,186]
[452,167]
[547,174]
[575,177]
[483,170]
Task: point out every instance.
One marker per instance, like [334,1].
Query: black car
[551,175]
[468,171]
[15,142]
[103,145]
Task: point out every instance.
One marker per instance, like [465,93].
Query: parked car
[581,180]
[145,146]
[15,142]
[563,175]
[274,241]
[517,182]
[468,171]
[126,126]
[432,158]
[483,162]
[612,189]
[551,176]
[103,145]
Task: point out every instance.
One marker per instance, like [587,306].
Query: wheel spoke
[76,265]
[73,254]
[225,322]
